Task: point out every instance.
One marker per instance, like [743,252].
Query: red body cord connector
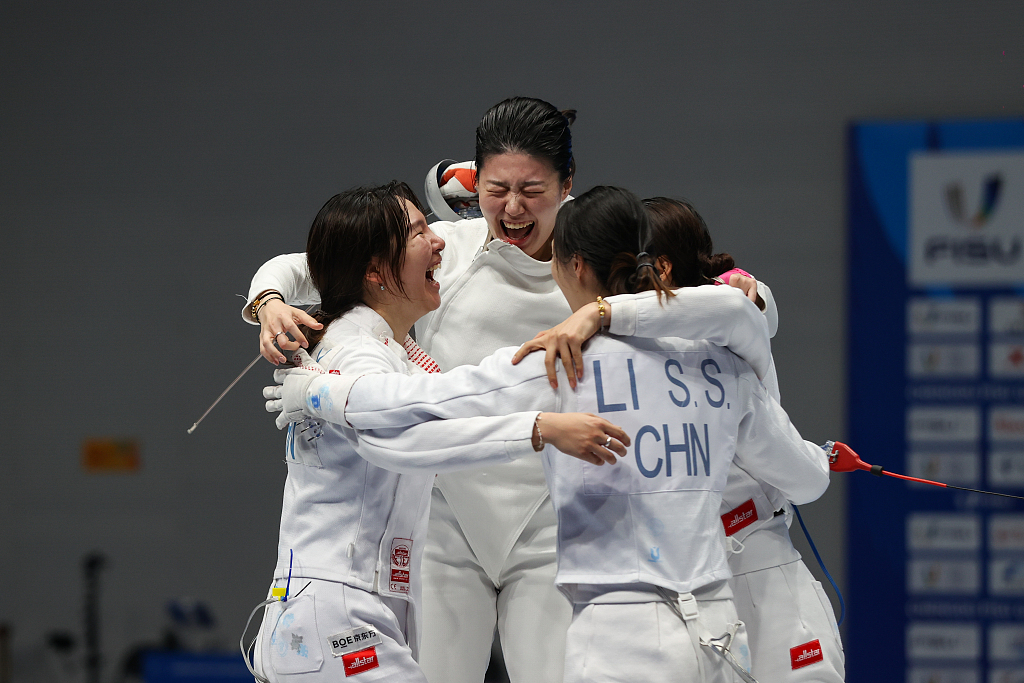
[842,458]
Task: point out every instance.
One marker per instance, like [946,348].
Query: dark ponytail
[525,125]
[609,229]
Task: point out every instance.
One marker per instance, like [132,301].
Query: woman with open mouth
[490,556]
[640,545]
[346,591]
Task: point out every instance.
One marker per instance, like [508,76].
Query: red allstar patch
[808,653]
[358,662]
[739,517]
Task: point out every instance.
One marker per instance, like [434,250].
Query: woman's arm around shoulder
[365,386]
[465,443]
[281,280]
[722,315]
[771,449]
[286,274]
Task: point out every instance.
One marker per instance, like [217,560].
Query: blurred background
[155,154]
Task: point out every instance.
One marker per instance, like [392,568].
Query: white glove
[288,396]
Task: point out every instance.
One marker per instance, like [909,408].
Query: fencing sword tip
[192,428]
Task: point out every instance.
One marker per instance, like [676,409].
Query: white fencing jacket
[690,408]
[355,505]
[749,506]
[494,295]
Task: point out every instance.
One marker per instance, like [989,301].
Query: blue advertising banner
[936,390]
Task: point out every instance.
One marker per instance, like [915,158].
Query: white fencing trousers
[295,643]
[645,642]
[790,625]
[462,605]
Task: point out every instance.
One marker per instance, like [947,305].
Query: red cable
[842,458]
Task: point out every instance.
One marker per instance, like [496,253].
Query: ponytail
[632,273]
[608,228]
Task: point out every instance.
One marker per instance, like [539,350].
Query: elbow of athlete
[811,488]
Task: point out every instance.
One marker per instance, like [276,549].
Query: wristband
[264,303]
[260,301]
[724,277]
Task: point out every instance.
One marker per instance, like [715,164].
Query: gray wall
[154,155]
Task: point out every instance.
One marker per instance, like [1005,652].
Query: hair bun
[720,263]
[570,114]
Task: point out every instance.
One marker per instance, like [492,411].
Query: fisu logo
[991,191]
[976,249]
[655,554]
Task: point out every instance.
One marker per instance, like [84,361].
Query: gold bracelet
[540,437]
[601,311]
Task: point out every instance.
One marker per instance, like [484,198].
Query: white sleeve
[770,448]
[771,382]
[287,274]
[495,387]
[447,445]
[721,315]
[771,311]
[433,447]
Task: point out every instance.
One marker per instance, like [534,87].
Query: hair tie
[642,265]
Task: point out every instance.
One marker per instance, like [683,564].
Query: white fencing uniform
[790,622]
[485,522]
[352,532]
[628,530]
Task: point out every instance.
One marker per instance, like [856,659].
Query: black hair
[609,229]
[525,125]
[681,235]
[350,231]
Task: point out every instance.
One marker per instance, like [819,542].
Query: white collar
[371,322]
[517,257]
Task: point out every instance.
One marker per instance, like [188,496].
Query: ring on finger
[608,442]
[279,334]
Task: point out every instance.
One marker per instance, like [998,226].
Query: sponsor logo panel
[1006,469]
[959,469]
[1001,675]
[955,577]
[1006,315]
[1006,577]
[921,674]
[943,360]
[1006,643]
[1006,360]
[943,531]
[949,641]
[1006,532]
[943,316]
[1006,424]
[939,425]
